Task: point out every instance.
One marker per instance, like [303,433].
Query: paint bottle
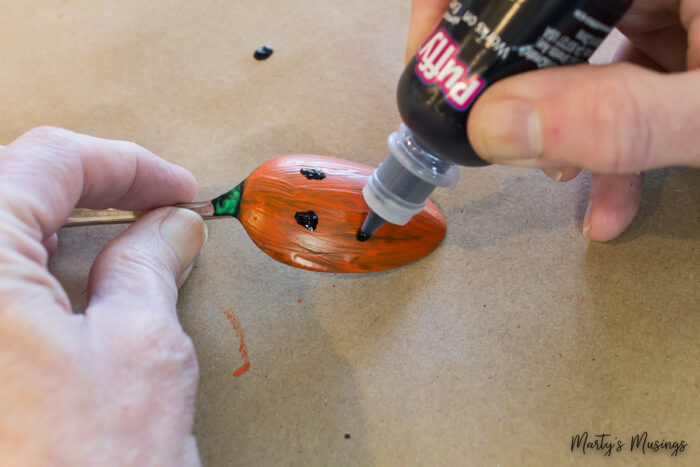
[477,43]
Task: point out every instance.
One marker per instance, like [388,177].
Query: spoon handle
[116,216]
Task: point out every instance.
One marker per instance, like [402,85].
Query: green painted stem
[229,203]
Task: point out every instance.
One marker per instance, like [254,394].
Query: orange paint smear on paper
[241,370]
[233,319]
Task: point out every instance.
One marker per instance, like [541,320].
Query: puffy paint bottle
[477,43]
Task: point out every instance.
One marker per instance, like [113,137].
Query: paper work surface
[516,334]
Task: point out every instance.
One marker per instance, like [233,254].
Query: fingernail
[185,233]
[509,130]
[183,277]
[559,175]
[587,221]
[586,228]
[554,174]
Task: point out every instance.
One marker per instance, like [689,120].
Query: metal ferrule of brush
[399,188]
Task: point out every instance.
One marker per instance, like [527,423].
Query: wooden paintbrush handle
[116,216]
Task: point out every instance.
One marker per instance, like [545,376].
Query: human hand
[616,120]
[116,385]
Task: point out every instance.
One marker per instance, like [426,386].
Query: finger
[26,287]
[51,244]
[623,51]
[141,269]
[628,52]
[614,199]
[48,171]
[690,17]
[666,46]
[613,203]
[425,14]
[618,119]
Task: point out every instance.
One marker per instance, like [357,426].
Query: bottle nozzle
[399,188]
[372,223]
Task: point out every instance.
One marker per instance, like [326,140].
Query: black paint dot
[307,219]
[263,52]
[313,174]
[347,435]
[363,237]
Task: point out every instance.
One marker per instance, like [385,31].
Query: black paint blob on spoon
[307,219]
[313,174]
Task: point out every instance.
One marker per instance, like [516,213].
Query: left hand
[115,385]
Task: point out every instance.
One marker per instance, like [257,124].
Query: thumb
[616,119]
[144,266]
[145,356]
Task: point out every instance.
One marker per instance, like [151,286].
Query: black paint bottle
[477,43]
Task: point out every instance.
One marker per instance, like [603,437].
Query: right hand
[617,120]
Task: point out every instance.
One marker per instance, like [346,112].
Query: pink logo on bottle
[439,64]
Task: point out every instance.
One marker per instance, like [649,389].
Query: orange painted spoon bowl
[305,211]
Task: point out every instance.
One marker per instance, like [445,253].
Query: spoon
[305,211]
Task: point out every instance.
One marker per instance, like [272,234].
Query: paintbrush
[305,210]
